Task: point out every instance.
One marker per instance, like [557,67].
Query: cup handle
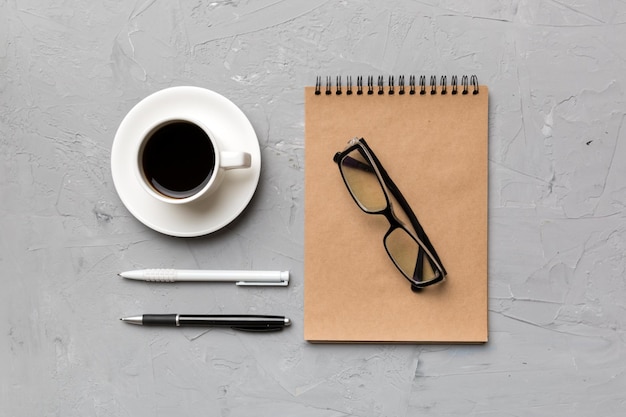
[233,160]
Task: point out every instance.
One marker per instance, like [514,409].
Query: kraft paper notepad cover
[435,148]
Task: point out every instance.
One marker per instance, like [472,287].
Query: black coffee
[178,159]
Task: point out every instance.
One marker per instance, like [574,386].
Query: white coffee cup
[179,160]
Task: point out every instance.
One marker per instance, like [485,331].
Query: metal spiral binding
[467,85]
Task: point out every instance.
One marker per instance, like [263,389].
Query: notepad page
[435,147]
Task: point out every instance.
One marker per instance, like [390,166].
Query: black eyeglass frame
[388,186]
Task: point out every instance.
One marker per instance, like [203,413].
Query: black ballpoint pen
[244,322]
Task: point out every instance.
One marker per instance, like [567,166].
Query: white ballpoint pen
[240,277]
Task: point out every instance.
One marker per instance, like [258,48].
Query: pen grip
[160,275]
[159,320]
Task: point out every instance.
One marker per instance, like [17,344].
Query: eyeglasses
[371,188]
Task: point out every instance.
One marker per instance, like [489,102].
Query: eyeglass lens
[365,187]
[404,251]
[362,181]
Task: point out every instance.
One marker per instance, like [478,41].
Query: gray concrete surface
[69,72]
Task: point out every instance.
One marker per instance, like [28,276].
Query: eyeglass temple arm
[393,188]
[353,163]
[419,262]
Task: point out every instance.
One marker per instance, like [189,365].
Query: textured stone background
[70,70]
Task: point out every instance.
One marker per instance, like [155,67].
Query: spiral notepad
[430,133]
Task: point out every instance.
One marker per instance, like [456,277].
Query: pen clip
[281,283]
[258,329]
[268,281]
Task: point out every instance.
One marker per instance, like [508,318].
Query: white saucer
[227,121]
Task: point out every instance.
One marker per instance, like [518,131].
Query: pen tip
[287,321]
